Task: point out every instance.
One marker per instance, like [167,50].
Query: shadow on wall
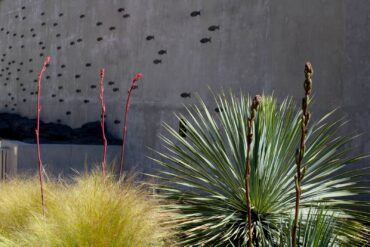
[16,127]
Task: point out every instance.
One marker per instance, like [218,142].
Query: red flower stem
[40,166]
[127,107]
[102,121]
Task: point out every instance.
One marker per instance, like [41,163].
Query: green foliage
[317,229]
[204,174]
[87,212]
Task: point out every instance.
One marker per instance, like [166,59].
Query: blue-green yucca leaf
[203,173]
[318,228]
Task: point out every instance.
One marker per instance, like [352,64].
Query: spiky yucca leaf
[317,229]
[204,173]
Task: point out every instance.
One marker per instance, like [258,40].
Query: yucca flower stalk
[37,131]
[306,115]
[103,121]
[250,123]
[129,92]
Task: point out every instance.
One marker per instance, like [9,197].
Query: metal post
[3,163]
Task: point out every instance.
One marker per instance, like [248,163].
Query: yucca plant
[204,174]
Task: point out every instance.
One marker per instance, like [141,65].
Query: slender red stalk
[40,166]
[102,121]
[132,87]
[254,106]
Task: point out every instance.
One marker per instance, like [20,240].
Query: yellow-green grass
[86,212]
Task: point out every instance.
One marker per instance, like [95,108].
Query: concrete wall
[262,45]
[58,159]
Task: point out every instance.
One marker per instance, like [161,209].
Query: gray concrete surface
[261,46]
[58,159]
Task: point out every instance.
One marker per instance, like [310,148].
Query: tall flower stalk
[253,112]
[306,115]
[132,87]
[40,166]
[103,121]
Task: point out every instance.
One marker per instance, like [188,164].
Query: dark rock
[15,127]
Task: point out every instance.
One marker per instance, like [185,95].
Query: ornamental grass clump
[19,199]
[88,212]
